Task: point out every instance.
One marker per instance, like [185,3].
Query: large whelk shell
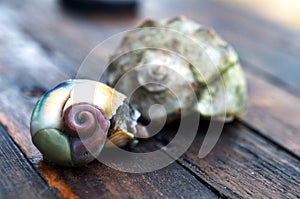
[186,58]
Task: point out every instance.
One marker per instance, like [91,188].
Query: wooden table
[43,43]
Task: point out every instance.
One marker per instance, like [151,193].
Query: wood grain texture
[273,112]
[99,181]
[18,179]
[244,165]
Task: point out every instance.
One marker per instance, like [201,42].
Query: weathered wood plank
[244,165]
[18,179]
[95,180]
[273,112]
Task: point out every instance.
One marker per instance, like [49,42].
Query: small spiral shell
[70,123]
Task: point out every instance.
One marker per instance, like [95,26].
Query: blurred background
[284,12]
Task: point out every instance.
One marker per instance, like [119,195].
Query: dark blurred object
[101,5]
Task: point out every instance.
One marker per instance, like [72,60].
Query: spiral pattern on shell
[87,126]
